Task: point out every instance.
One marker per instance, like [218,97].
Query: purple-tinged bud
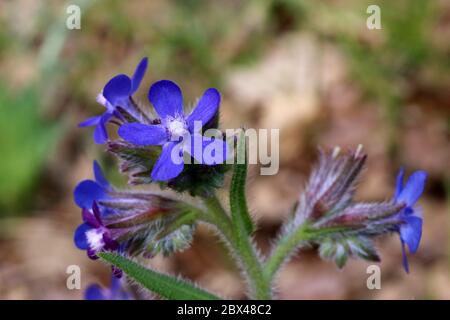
[331,185]
[351,231]
[368,216]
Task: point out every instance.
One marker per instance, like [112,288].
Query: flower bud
[332,184]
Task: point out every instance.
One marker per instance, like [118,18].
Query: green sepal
[198,179]
[135,161]
[170,232]
[340,249]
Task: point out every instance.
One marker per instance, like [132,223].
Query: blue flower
[115,292]
[410,229]
[89,191]
[117,92]
[92,235]
[177,132]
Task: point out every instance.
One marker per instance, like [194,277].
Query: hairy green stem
[217,216]
[291,242]
[242,247]
[285,247]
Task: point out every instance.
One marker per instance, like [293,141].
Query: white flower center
[177,129]
[95,239]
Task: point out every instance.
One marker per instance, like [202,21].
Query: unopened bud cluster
[342,227]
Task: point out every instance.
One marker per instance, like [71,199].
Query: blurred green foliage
[25,142]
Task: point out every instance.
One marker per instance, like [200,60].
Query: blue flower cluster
[154,147]
[174,130]
[130,222]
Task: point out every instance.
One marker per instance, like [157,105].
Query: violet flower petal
[143,134]
[167,98]
[165,168]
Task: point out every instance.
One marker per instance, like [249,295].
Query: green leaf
[165,286]
[340,249]
[238,203]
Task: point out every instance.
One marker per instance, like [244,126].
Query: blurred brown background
[310,68]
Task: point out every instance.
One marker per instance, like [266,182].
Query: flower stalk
[242,248]
[285,248]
